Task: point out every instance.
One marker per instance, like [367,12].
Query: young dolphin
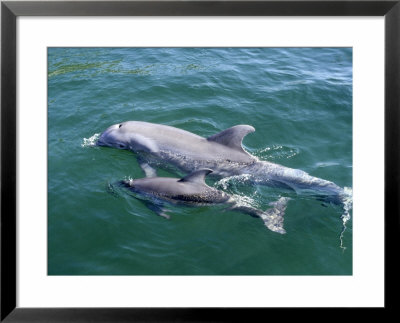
[192,190]
[222,152]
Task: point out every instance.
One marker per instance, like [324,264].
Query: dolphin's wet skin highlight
[292,175]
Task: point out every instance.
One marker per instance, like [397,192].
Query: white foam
[347,206]
[242,200]
[276,152]
[224,182]
[90,142]
[128,179]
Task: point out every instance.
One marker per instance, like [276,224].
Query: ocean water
[298,99]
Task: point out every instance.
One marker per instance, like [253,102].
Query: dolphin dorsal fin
[197,176]
[232,137]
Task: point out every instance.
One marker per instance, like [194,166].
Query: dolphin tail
[273,217]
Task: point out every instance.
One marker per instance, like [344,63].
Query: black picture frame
[10,10]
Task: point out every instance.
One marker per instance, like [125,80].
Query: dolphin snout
[100,141]
[125,183]
[104,137]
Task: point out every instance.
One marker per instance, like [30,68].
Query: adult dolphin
[222,152]
[192,190]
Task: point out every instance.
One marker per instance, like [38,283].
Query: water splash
[128,178]
[90,142]
[347,206]
[276,152]
[243,200]
[225,182]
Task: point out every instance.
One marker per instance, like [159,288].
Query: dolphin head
[129,135]
[115,136]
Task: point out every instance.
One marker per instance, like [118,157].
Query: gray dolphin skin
[222,152]
[192,190]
